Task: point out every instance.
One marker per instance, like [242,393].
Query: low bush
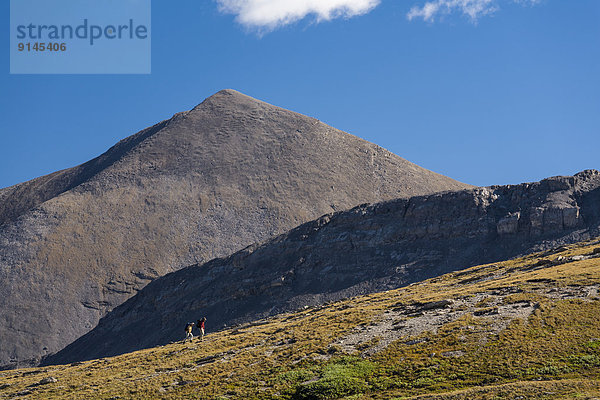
[330,388]
[345,376]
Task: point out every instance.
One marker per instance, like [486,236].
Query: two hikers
[190,325]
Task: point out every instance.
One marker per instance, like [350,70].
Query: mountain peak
[204,184]
[229,92]
[228,97]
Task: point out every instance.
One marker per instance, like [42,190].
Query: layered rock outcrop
[366,249]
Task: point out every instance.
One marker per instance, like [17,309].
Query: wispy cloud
[473,9]
[266,15]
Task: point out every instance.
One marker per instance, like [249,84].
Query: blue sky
[484,91]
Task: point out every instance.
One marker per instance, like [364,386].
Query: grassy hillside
[527,328]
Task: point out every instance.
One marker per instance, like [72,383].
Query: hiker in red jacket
[200,326]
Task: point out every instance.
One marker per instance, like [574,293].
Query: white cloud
[271,14]
[474,9]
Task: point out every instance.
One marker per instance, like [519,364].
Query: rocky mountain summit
[367,249]
[203,184]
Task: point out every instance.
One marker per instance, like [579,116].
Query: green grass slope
[527,328]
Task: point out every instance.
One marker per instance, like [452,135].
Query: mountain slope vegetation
[524,328]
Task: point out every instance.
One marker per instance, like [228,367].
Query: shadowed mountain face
[366,249]
[207,182]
